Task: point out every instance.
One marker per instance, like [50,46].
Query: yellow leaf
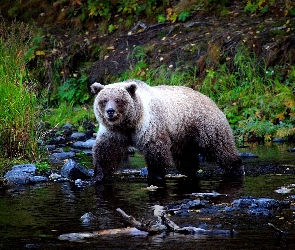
[39,53]
[267,137]
[289,103]
[281,116]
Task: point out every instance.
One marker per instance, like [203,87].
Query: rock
[55,176]
[68,129]
[56,157]
[260,212]
[143,172]
[57,140]
[49,148]
[84,145]
[279,139]
[88,218]
[73,171]
[24,174]
[243,202]
[37,179]
[78,136]
[248,155]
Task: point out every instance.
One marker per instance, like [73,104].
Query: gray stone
[84,144]
[62,155]
[78,136]
[37,179]
[73,171]
[24,174]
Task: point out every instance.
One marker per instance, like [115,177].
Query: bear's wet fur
[169,125]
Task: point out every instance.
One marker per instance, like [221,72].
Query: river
[33,217]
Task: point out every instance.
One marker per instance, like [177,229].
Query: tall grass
[18,104]
[254,98]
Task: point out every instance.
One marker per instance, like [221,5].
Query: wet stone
[260,212]
[243,202]
[73,171]
[68,129]
[248,155]
[38,179]
[78,136]
[57,140]
[88,218]
[84,145]
[50,148]
[57,157]
[24,174]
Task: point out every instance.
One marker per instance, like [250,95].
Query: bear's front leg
[108,155]
[158,158]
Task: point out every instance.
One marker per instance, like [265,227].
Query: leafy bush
[74,90]
[253,97]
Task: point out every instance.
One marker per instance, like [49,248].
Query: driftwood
[163,223]
[138,225]
[278,231]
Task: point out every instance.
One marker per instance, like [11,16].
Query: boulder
[24,174]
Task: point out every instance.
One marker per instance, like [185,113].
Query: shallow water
[33,217]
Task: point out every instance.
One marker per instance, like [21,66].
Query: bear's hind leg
[188,164]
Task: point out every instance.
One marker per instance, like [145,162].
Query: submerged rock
[88,218]
[248,155]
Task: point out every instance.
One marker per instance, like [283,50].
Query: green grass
[257,103]
[19,111]
[66,112]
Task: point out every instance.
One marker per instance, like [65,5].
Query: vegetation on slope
[239,53]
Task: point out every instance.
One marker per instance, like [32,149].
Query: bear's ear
[96,87]
[131,88]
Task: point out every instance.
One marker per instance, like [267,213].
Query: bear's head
[115,104]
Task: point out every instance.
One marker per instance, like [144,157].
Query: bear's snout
[110,112]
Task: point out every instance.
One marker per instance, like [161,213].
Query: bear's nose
[110,112]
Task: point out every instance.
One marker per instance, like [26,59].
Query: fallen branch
[140,226]
[279,232]
[164,223]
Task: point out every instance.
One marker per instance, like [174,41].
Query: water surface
[33,217]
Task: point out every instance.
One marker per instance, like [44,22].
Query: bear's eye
[117,101]
[103,102]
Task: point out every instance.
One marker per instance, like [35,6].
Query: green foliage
[131,7]
[161,19]
[66,112]
[252,97]
[263,6]
[100,8]
[183,16]
[42,166]
[74,90]
[112,28]
[19,112]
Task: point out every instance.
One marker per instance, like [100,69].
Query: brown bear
[169,125]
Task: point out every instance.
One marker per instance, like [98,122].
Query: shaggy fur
[169,125]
